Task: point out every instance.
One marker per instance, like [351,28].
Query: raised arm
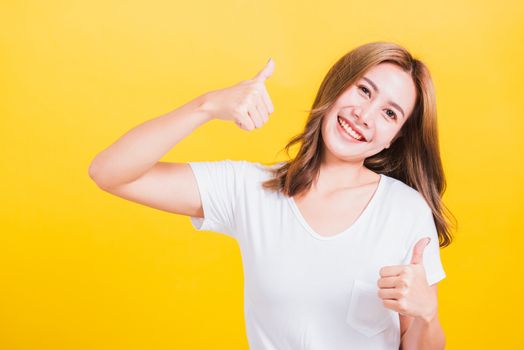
[130,167]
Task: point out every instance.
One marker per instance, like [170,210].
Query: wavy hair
[413,156]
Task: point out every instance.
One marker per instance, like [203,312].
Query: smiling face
[375,107]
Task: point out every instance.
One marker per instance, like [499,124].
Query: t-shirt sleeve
[219,185]
[431,255]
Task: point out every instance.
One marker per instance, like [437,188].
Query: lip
[353,127]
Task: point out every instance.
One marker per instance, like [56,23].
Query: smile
[350,131]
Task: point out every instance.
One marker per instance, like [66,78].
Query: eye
[365,89]
[393,115]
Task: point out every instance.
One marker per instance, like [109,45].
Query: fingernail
[428,240]
[268,60]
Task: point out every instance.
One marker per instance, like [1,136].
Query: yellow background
[82,269]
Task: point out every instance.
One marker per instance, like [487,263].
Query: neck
[337,174]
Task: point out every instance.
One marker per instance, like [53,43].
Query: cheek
[328,123]
[323,131]
[323,127]
[385,134]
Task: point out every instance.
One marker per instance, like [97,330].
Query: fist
[404,288]
[247,103]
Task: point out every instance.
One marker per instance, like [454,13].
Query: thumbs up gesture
[404,288]
[246,103]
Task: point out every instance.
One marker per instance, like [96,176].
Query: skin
[345,186]
[371,113]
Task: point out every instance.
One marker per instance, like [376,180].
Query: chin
[341,152]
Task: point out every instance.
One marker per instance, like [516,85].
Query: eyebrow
[377,91]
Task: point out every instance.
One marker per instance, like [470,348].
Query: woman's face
[376,107]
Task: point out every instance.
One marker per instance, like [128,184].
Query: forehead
[393,84]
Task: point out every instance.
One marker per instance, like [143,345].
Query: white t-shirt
[304,291]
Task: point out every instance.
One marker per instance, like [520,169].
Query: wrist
[429,318]
[201,107]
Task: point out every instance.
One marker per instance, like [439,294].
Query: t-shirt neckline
[363,215]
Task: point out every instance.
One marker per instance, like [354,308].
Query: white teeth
[348,129]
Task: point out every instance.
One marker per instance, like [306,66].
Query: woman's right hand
[246,103]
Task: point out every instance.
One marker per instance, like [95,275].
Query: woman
[333,242]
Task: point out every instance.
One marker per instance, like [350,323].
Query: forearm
[143,146]
[424,335]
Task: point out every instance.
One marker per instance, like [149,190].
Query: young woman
[333,241]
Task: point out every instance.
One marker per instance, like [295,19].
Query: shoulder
[260,171]
[405,196]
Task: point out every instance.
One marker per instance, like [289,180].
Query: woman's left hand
[404,288]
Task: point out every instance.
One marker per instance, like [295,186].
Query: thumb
[266,71]
[418,250]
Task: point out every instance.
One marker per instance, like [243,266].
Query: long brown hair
[413,156]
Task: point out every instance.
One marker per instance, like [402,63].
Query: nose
[363,115]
